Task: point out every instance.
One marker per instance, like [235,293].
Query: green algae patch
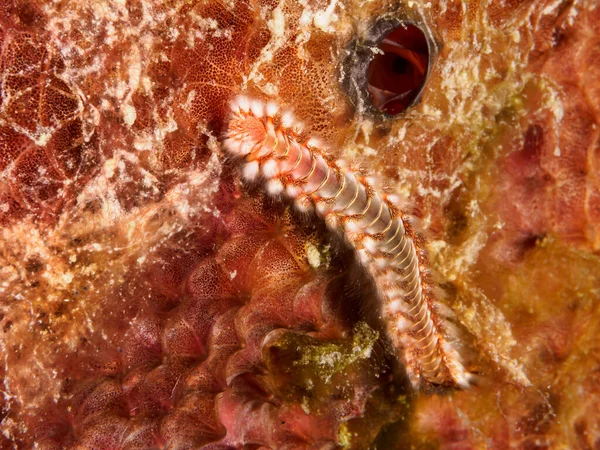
[339,377]
[310,365]
[330,358]
[344,436]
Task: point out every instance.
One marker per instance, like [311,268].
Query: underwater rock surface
[151,300]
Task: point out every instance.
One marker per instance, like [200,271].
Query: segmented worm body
[271,141]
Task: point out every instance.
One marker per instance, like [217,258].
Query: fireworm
[272,143]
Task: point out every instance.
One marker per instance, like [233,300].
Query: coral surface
[149,299]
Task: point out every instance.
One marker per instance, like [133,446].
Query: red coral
[42,152]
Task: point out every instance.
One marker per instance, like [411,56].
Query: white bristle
[370,244]
[364,257]
[354,238]
[372,181]
[272,109]
[407,343]
[288,120]
[413,220]
[323,208]
[389,278]
[341,163]
[351,226]
[394,200]
[251,170]
[233,146]
[402,324]
[298,127]
[394,306]
[274,187]
[270,168]
[395,293]
[442,309]
[451,332]
[243,103]
[257,108]
[235,106]
[313,143]
[332,221]
[303,203]
[381,262]
[293,191]
[246,146]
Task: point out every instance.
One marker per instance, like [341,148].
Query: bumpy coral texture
[46,153]
[150,300]
[193,370]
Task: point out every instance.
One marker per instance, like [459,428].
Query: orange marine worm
[271,142]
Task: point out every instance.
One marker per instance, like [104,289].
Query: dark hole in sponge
[398,72]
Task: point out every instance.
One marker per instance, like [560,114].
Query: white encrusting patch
[313,256]
[129,114]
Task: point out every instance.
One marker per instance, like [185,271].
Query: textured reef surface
[149,299]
